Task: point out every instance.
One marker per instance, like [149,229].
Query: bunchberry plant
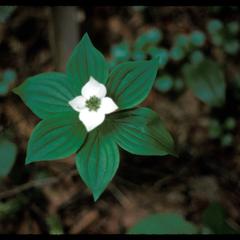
[91,112]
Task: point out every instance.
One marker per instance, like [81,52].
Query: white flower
[92,105]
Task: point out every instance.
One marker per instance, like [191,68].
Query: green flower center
[93,104]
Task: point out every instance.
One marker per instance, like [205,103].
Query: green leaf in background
[160,53]
[139,8]
[178,84]
[230,123]
[217,39]
[196,56]
[205,230]
[140,131]
[7,77]
[5,12]
[8,153]
[215,129]
[120,52]
[214,26]
[207,82]
[3,89]
[227,140]
[138,55]
[55,138]
[197,38]
[163,223]
[182,41]
[214,217]
[164,83]
[233,27]
[130,82]
[86,61]
[149,38]
[177,53]
[47,94]
[98,161]
[232,46]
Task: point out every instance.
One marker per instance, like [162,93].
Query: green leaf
[217,39]
[47,94]
[198,38]
[140,131]
[163,223]
[86,61]
[55,138]
[214,26]
[233,27]
[5,12]
[8,153]
[130,83]
[232,47]
[215,129]
[214,217]
[98,161]
[149,38]
[182,41]
[196,56]
[230,123]
[177,53]
[3,89]
[206,81]
[162,55]
[138,55]
[120,52]
[164,83]
[205,230]
[178,84]
[227,140]
[9,76]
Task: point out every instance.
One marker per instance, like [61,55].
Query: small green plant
[225,35]
[8,153]
[214,221]
[222,131]
[207,82]
[92,112]
[215,218]
[7,78]
[148,45]
[185,57]
[5,12]
[163,223]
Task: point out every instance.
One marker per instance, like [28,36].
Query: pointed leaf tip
[85,35]
[16,90]
[96,196]
[97,162]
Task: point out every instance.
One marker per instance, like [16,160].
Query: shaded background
[49,197]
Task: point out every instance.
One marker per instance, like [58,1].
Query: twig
[86,220]
[123,200]
[32,184]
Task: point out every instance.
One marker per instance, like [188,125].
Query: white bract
[93,104]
